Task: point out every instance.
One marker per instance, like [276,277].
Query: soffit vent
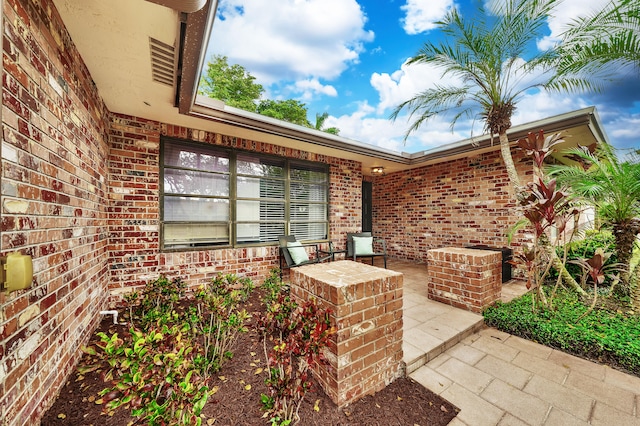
[163,62]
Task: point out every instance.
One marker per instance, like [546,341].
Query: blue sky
[347,57]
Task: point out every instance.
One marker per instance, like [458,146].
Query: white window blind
[213,196]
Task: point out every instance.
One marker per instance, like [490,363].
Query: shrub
[153,373]
[156,302]
[217,317]
[586,248]
[297,335]
[600,334]
[161,371]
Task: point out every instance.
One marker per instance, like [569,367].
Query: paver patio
[499,379]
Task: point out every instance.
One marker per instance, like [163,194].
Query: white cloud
[310,88]
[540,105]
[297,40]
[405,83]
[623,129]
[421,15]
[365,126]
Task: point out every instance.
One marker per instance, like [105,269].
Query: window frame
[232,154]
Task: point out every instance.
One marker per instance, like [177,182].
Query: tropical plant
[218,318]
[153,373]
[158,300]
[547,211]
[585,246]
[613,187]
[320,119]
[486,53]
[602,42]
[297,334]
[596,270]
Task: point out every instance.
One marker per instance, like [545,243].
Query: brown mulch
[404,402]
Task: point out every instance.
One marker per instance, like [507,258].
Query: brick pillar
[470,279]
[365,354]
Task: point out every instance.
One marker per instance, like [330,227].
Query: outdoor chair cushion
[298,253]
[363,245]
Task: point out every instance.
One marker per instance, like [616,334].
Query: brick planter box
[466,278]
[365,354]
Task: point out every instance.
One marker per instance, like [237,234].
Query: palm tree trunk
[505,150]
[625,233]
[634,283]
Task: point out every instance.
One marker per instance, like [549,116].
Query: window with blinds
[216,197]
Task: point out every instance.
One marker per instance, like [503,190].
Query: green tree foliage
[236,87]
[288,110]
[231,84]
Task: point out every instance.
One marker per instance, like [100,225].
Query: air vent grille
[163,63]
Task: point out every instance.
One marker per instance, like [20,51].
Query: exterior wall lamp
[377,171]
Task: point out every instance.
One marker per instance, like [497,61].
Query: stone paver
[501,369]
[609,394]
[498,379]
[573,402]
[475,410]
[520,404]
[465,375]
[604,415]
[557,417]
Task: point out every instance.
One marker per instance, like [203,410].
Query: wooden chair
[293,253]
[363,244]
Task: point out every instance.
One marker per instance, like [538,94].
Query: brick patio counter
[466,278]
[365,354]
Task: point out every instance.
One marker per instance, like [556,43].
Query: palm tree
[593,43]
[613,187]
[320,119]
[486,53]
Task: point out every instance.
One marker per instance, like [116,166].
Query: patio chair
[293,253]
[363,244]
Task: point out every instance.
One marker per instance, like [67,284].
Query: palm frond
[602,42]
[485,51]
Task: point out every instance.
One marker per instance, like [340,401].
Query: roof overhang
[113,38]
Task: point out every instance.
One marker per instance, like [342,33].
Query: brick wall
[80,195]
[464,278]
[365,353]
[54,161]
[468,201]
[134,212]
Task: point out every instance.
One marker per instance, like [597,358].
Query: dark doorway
[367,204]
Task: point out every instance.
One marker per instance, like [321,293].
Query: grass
[602,335]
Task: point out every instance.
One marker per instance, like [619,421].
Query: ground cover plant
[602,335]
[167,363]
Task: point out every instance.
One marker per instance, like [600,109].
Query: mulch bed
[404,402]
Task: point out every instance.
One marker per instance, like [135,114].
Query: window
[217,197]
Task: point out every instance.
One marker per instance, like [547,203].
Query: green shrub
[585,249]
[607,336]
[152,373]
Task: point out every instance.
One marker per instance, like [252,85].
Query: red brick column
[365,354]
[465,278]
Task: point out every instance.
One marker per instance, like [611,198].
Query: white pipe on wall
[114,313]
